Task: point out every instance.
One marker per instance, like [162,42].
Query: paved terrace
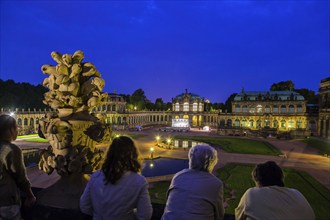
[298,156]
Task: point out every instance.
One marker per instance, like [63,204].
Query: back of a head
[7,123]
[268,174]
[202,158]
[122,156]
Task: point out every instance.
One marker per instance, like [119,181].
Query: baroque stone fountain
[75,88]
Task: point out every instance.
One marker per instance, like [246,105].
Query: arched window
[258,123]
[25,121]
[283,109]
[299,124]
[299,108]
[237,108]
[267,109]
[186,107]
[222,123]
[251,110]
[194,107]
[99,108]
[31,121]
[244,108]
[275,108]
[200,107]
[19,121]
[37,121]
[259,108]
[291,109]
[251,123]
[177,107]
[244,124]
[237,123]
[275,124]
[283,124]
[229,123]
[113,108]
[108,108]
[291,124]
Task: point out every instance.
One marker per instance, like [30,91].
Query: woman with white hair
[195,193]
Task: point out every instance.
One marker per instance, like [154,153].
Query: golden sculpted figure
[75,88]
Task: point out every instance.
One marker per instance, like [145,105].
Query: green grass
[238,178]
[236,145]
[37,139]
[157,192]
[322,145]
[28,136]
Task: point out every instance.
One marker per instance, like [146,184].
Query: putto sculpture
[75,88]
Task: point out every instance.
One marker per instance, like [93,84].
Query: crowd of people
[118,191]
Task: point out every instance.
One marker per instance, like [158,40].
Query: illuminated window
[237,108]
[185,144]
[258,124]
[200,107]
[186,107]
[259,109]
[299,109]
[267,109]
[195,107]
[177,107]
[291,124]
[251,110]
[283,124]
[251,123]
[237,123]
[275,124]
[275,109]
[244,124]
[244,108]
[291,109]
[299,124]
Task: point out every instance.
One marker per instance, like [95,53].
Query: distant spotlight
[117,135]
[152,149]
[151,165]
[12,114]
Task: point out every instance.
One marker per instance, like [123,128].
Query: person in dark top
[13,177]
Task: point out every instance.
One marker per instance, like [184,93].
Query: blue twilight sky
[211,48]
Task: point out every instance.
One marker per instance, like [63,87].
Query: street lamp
[152,153]
[157,139]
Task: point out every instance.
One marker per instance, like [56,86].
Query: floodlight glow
[168,140]
[12,114]
[152,149]
[157,138]
[117,135]
[151,165]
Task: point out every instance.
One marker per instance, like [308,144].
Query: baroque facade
[324,108]
[282,111]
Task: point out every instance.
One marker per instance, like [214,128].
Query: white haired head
[202,158]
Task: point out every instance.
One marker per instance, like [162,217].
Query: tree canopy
[21,95]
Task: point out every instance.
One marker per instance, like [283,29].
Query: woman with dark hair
[270,199]
[118,191]
[12,172]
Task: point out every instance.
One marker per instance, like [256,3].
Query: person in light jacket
[270,199]
[195,193]
[118,191]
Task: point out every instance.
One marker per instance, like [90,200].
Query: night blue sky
[211,48]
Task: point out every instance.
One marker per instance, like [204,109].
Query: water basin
[163,166]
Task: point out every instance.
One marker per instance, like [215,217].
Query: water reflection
[163,166]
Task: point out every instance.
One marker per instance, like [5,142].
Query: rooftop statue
[75,88]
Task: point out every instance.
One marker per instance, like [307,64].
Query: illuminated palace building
[252,112]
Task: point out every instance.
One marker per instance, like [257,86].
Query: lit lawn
[32,138]
[322,145]
[158,192]
[238,178]
[236,145]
